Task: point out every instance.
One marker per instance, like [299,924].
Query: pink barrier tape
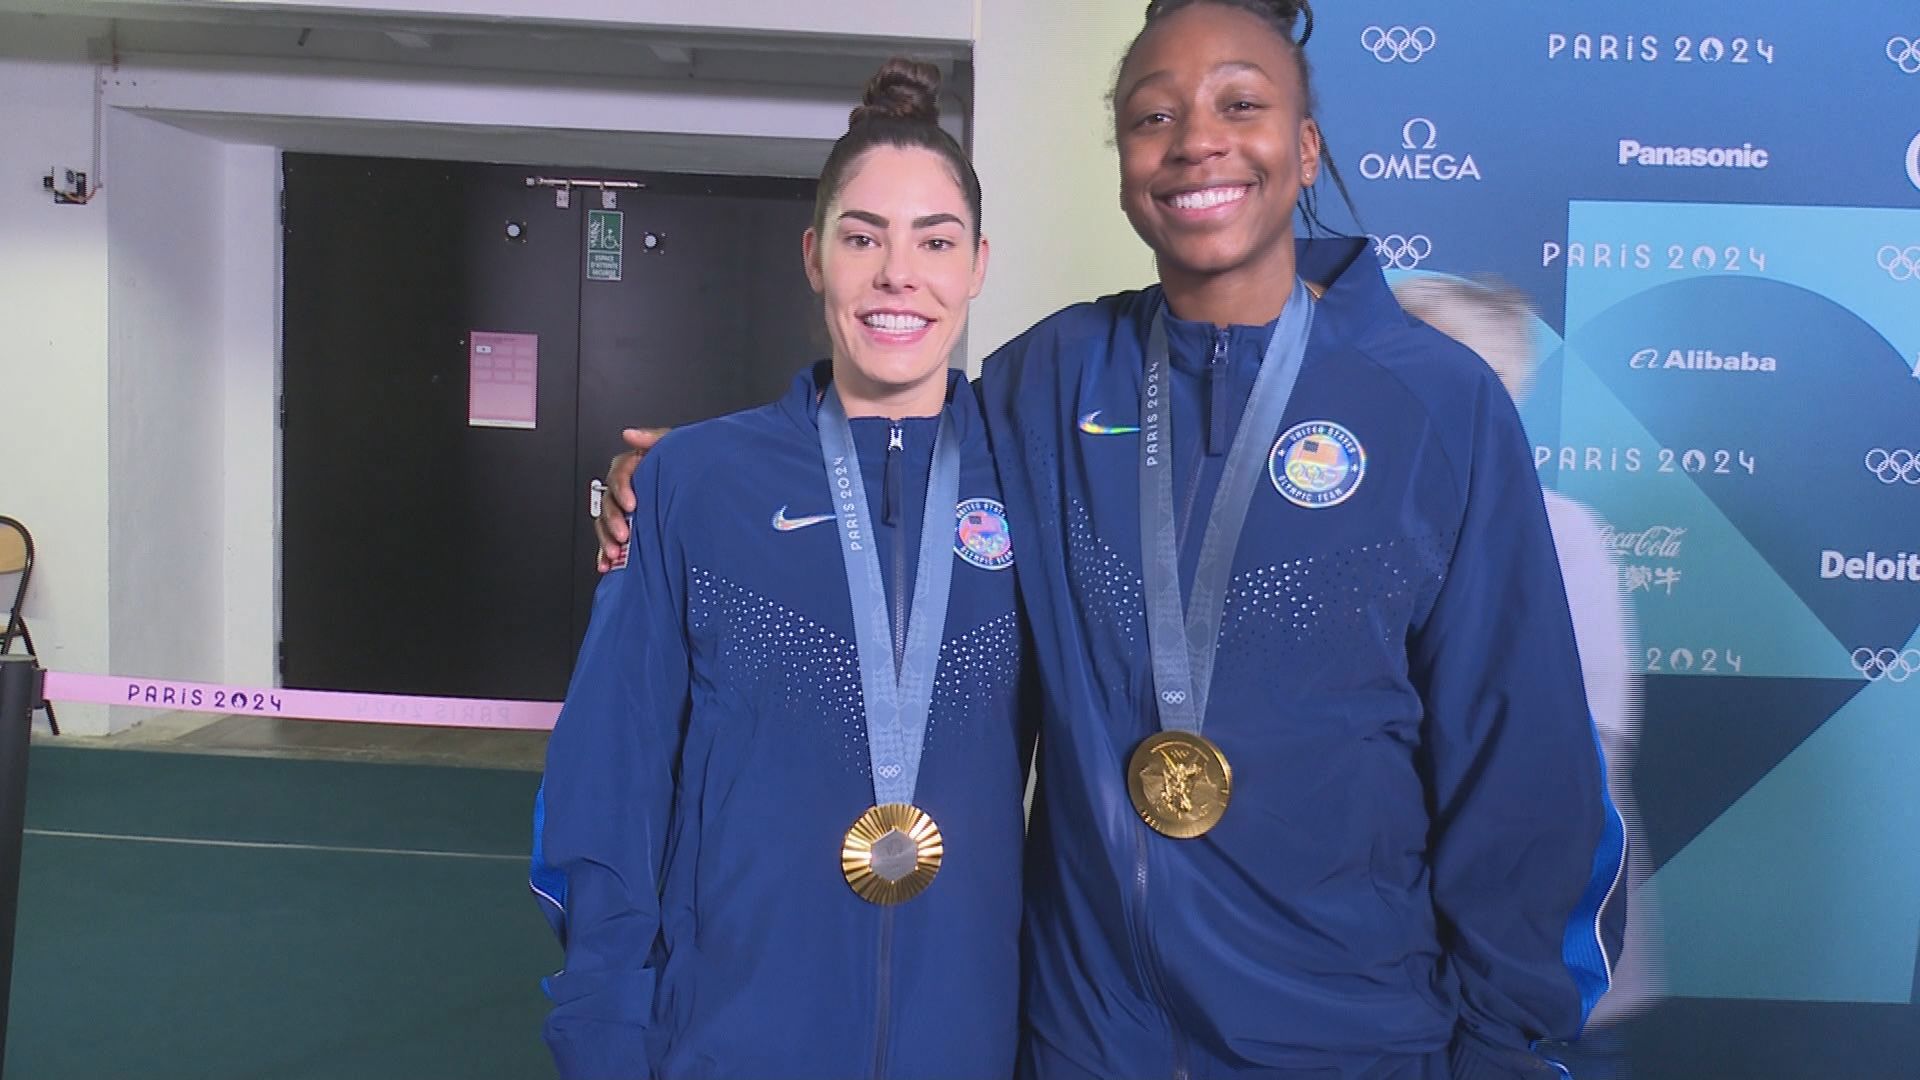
[302,704]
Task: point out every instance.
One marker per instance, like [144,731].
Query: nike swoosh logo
[1091,424]
[783,523]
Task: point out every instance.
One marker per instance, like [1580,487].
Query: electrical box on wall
[67,185]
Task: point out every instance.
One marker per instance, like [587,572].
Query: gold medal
[1180,783]
[892,853]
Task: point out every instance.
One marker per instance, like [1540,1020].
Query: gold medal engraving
[1180,783]
[891,853]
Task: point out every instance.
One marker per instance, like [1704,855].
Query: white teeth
[899,324]
[1208,197]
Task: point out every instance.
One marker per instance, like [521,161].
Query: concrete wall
[250,442]
[1043,147]
[53,370]
[930,20]
[165,388]
[193,359]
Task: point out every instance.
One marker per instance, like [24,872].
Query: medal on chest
[1180,781]
[894,850]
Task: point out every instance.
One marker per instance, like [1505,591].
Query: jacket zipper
[884,1010]
[1214,417]
[892,512]
[895,516]
[1149,962]
[1217,394]
[1216,442]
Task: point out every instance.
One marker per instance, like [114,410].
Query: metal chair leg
[26,636]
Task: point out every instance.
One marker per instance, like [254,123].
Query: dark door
[425,555]
[421,555]
[717,317]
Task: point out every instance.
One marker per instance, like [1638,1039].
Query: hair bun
[902,89]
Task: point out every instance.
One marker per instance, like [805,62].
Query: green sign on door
[603,245]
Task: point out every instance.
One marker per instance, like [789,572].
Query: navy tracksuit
[712,753]
[1415,875]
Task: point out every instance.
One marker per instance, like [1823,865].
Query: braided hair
[1282,15]
[1292,22]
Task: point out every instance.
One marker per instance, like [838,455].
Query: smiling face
[1214,144]
[896,266]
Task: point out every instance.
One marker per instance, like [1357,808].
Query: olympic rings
[1388,44]
[1893,665]
[1904,52]
[1903,264]
[1897,466]
[1402,252]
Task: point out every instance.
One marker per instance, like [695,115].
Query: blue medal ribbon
[1183,646]
[898,695]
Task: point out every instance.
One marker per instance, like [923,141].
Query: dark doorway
[425,555]
[718,317]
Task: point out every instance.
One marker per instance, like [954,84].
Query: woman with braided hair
[1318,568]
[1318,791]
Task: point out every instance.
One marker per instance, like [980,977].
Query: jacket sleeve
[600,820]
[1527,851]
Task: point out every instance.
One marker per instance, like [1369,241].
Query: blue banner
[1699,225]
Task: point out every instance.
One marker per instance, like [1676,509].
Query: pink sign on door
[505,369]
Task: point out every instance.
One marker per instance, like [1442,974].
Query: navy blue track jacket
[712,753]
[1410,878]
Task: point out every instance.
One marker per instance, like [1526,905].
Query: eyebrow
[927,222]
[1223,66]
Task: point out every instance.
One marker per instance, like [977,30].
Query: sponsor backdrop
[1714,207]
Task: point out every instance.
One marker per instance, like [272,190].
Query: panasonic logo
[1744,156]
[1700,360]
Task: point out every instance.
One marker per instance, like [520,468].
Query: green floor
[260,959]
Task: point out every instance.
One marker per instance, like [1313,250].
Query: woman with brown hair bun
[780,829]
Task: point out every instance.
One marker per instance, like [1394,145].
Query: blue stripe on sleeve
[547,882]
[1600,915]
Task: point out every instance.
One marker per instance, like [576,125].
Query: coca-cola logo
[1653,542]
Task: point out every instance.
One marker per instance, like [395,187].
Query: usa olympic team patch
[981,537]
[1317,464]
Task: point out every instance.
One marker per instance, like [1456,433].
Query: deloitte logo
[1872,566]
[1419,157]
[1701,360]
[1744,156]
